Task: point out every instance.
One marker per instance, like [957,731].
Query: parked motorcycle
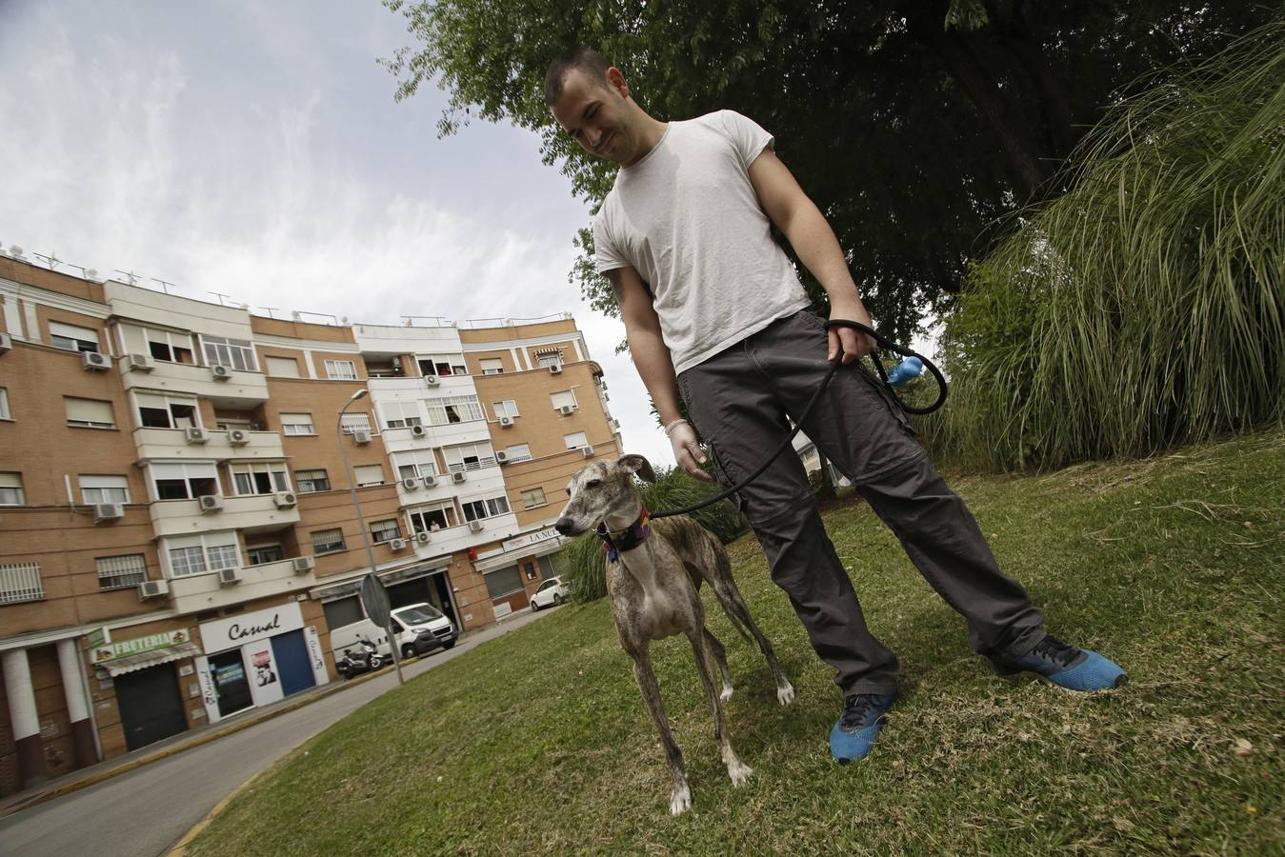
[365,659]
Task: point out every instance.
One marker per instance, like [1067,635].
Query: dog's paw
[680,800]
[785,693]
[739,772]
[728,690]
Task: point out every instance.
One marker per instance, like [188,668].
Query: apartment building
[177,534]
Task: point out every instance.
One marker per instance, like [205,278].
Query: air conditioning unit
[501,456]
[95,362]
[196,435]
[475,526]
[432,380]
[458,477]
[238,437]
[108,512]
[410,483]
[418,431]
[566,410]
[555,369]
[397,544]
[228,576]
[210,502]
[587,450]
[361,436]
[304,564]
[429,481]
[6,343]
[141,363]
[285,499]
[423,538]
[506,421]
[220,373]
[153,589]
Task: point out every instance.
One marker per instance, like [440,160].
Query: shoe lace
[1056,651]
[856,708]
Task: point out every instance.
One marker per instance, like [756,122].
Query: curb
[180,847]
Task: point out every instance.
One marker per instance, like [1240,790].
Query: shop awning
[155,657]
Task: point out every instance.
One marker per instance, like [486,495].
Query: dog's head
[604,491]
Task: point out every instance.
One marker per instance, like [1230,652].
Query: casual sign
[250,627]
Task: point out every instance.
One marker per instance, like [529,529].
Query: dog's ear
[639,465]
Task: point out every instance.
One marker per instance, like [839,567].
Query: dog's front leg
[736,769]
[680,799]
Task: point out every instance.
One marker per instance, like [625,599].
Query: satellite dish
[91,274]
[15,251]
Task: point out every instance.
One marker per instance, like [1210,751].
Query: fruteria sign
[122,648]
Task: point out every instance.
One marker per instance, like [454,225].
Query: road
[146,811]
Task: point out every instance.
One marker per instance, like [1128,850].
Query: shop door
[230,685]
[150,705]
[291,652]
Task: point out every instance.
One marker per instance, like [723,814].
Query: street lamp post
[361,522]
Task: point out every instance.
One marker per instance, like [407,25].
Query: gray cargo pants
[739,400]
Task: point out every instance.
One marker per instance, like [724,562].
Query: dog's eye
[593,483]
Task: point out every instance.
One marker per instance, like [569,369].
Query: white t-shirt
[686,218]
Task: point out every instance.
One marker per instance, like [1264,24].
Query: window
[166,411]
[341,370]
[401,414]
[442,365]
[260,554]
[311,481]
[184,562]
[383,531]
[170,347]
[563,398]
[20,582]
[489,508]
[72,338]
[232,353]
[369,474]
[576,440]
[550,359]
[297,424]
[121,572]
[506,408]
[417,463]
[503,581]
[429,518]
[223,556]
[104,489]
[4,404]
[469,456]
[11,489]
[328,541]
[89,413]
[183,480]
[492,366]
[283,367]
[453,409]
[518,452]
[351,422]
[533,497]
[259,478]
[191,555]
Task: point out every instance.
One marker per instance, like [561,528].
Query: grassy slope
[538,742]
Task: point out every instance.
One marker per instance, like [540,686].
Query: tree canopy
[915,125]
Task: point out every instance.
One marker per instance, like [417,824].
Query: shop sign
[531,538]
[139,644]
[98,638]
[245,628]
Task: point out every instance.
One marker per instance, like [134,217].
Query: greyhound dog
[654,572]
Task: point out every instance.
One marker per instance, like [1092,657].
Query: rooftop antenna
[164,285]
[51,261]
[130,275]
[221,296]
[270,309]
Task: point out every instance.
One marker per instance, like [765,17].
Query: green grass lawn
[538,742]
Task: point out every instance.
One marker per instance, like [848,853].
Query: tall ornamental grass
[1144,307]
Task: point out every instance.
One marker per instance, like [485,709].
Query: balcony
[451,539]
[184,517]
[447,385]
[401,439]
[154,443]
[204,592]
[237,390]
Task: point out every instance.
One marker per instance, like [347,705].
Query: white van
[408,623]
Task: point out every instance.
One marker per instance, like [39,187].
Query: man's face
[594,113]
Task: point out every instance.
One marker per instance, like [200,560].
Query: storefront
[144,674]
[254,659]
[513,572]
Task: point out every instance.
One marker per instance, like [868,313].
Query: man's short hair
[586,59]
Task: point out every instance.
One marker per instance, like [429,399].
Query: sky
[254,150]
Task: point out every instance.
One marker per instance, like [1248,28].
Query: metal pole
[361,522]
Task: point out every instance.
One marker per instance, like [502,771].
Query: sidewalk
[94,774]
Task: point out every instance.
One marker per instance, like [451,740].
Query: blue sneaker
[1065,666]
[854,735]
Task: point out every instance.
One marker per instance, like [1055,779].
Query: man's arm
[655,366]
[790,209]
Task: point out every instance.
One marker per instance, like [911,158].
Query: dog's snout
[565,525]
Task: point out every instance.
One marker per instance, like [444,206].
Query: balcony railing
[488,461]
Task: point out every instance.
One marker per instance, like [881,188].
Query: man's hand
[854,343]
[687,450]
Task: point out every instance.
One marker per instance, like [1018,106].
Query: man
[714,309]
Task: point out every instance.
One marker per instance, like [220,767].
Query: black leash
[825,382]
